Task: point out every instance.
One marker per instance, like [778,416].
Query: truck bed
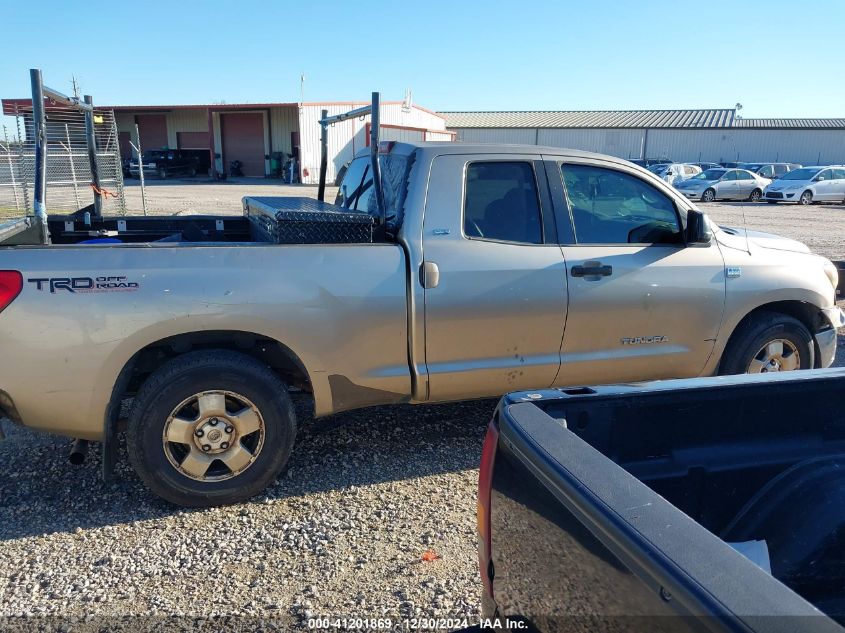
[621,504]
[288,220]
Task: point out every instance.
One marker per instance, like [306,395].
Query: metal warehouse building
[261,135]
[680,135]
[255,133]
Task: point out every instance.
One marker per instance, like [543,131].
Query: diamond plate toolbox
[284,220]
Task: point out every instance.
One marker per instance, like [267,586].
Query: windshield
[800,174]
[657,169]
[710,174]
[153,155]
[753,166]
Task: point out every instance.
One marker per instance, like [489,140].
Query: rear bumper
[826,339]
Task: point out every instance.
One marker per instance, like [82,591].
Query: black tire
[806,198]
[202,371]
[755,196]
[772,201]
[755,332]
[709,195]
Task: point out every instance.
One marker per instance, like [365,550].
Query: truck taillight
[485,489]
[11,284]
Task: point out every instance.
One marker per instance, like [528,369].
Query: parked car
[489,268]
[706,166]
[691,505]
[724,184]
[674,172]
[772,171]
[648,162]
[808,185]
[166,162]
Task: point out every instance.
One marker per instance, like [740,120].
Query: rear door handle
[592,271]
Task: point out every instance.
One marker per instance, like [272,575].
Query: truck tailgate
[605,547]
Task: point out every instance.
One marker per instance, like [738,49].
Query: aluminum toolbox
[305,221]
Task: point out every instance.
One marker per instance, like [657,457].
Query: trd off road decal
[117,283]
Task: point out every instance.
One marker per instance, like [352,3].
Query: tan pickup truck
[463,271]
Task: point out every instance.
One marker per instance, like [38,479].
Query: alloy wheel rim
[213,435]
[775,356]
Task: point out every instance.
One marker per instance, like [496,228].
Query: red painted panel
[192,140]
[153,130]
[243,139]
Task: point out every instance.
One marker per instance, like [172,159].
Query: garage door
[192,140]
[243,140]
[153,130]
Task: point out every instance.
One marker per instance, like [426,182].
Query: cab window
[356,191]
[731,175]
[614,207]
[827,174]
[501,202]
[767,172]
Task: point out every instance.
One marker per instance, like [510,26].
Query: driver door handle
[596,270]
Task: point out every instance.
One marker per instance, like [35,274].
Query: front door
[825,186]
[642,304]
[494,277]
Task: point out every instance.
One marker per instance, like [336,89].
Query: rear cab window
[356,192]
[501,202]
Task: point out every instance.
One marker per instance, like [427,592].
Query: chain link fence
[69,181]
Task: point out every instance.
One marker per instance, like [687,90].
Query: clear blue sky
[778,58]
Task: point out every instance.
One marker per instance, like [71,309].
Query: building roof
[804,124]
[592,119]
[605,119]
[13,106]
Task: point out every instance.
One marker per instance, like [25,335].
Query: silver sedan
[724,184]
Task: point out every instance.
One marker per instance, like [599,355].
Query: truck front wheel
[768,342]
[211,428]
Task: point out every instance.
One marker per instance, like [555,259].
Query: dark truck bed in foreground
[616,508]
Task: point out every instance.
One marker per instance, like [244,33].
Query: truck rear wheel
[211,428]
[768,342]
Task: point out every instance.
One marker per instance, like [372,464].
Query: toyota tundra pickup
[458,272]
[711,504]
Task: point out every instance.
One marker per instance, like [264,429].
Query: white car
[808,185]
[723,184]
[674,172]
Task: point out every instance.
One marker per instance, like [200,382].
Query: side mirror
[697,231]
[819,179]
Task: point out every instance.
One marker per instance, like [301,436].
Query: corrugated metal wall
[346,138]
[712,145]
[439,136]
[808,147]
[283,121]
[185,121]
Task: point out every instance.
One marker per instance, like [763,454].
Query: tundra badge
[644,340]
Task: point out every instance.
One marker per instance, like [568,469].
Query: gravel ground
[198,196]
[343,533]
